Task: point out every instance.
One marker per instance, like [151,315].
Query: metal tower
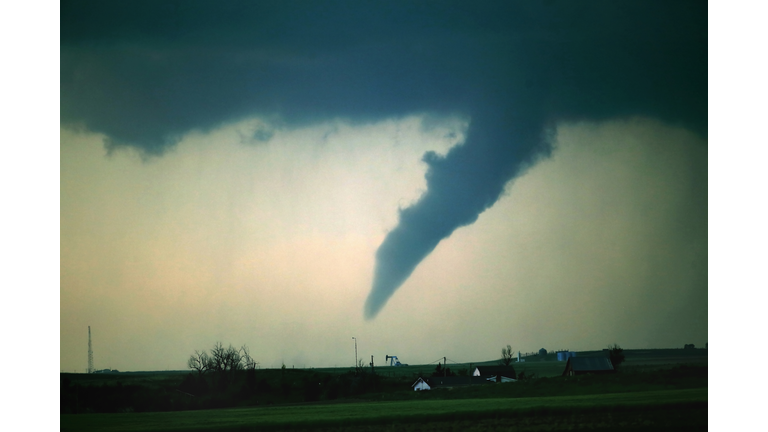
[90,352]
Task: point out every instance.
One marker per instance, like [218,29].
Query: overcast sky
[433,179]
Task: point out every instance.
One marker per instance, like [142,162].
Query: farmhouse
[586,365]
[421,384]
[496,373]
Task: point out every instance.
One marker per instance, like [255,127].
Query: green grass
[652,392]
[546,366]
[313,415]
[147,379]
[163,391]
[627,381]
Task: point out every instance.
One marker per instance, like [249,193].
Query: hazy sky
[434,179]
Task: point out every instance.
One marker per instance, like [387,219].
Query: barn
[447,382]
[421,384]
[496,373]
[588,365]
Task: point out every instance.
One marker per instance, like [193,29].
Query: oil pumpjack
[393,361]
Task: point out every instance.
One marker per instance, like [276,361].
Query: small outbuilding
[421,384]
[588,365]
[496,373]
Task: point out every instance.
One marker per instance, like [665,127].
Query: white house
[420,384]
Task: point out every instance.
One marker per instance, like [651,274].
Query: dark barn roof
[455,381]
[582,365]
[506,371]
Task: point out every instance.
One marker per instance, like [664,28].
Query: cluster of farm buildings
[501,374]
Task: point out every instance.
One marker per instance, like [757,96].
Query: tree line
[224,364]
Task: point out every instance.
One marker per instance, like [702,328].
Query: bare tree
[224,362]
[232,360]
[248,362]
[506,356]
[225,359]
[200,362]
[218,357]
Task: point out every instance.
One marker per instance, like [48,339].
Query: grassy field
[148,379]
[675,378]
[654,390]
[384,413]
[546,366]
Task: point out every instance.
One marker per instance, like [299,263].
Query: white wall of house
[421,385]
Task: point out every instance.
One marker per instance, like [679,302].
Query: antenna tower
[90,352]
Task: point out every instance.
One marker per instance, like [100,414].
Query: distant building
[588,365]
[542,352]
[496,373]
[689,346]
[447,382]
[421,384]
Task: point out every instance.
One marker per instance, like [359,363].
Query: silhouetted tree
[616,354]
[223,362]
[506,356]
[441,371]
[248,362]
[200,362]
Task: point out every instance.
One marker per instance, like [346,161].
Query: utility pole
[445,366]
[90,352]
[373,372]
[355,354]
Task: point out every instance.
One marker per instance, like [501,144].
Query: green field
[369,413]
[653,390]
[546,366]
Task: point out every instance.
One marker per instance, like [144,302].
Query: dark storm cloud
[145,73]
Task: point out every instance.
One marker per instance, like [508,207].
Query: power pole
[445,366]
[355,354]
[90,352]
[373,372]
